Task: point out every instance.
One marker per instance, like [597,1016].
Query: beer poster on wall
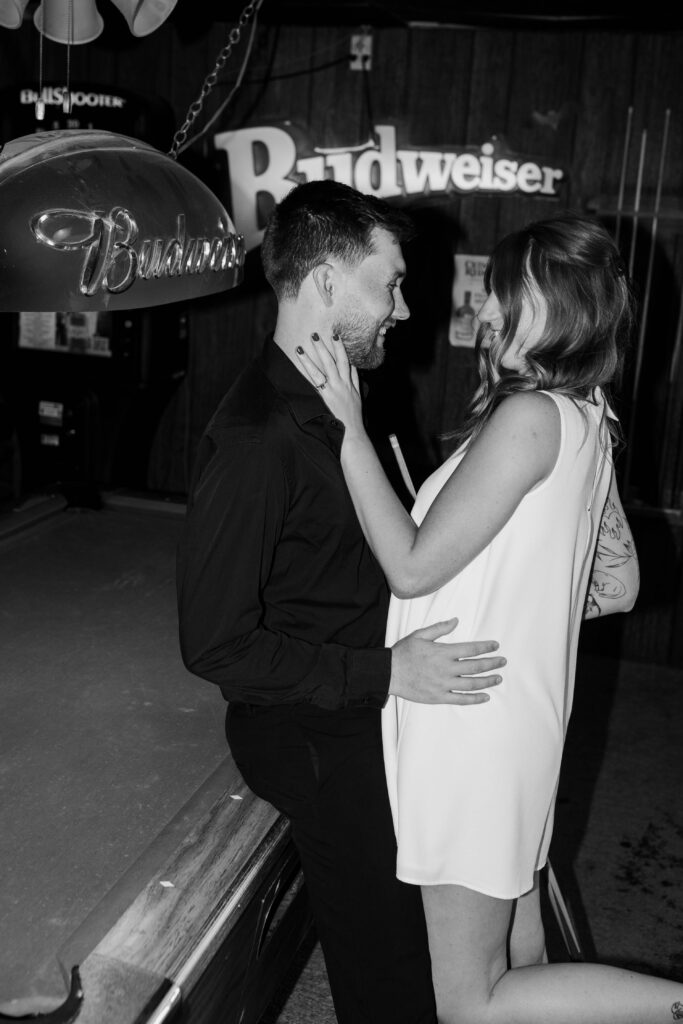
[467,298]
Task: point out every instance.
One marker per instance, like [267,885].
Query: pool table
[141,880]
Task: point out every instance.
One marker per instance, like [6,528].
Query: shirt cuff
[368,678]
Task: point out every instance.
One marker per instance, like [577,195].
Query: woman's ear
[324,280]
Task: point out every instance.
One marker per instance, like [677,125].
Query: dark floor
[618,844]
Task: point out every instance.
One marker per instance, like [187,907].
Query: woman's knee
[527,934]
[463,1010]
[529,949]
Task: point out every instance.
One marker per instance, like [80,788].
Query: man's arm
[235,514]
[615,577]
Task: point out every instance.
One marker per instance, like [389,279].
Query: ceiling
[449,12]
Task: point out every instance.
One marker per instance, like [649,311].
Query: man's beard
[364,348]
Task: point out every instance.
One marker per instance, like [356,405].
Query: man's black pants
[324,771]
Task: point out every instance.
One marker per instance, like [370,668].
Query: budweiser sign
[272,158]
[114,255]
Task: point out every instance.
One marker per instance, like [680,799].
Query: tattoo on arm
[615,549]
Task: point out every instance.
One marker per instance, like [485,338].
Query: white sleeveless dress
[472,789]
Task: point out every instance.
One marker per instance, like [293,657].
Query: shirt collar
[302,397]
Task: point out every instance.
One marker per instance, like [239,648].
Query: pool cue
[557,901]
[622,178]
[636,202]
[563,916]
[635,386]
[393,440]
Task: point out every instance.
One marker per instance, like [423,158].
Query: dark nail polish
[315,336]
[335,337]
[299,350]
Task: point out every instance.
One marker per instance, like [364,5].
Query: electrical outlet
[361,52]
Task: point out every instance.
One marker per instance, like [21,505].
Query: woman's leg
[467,942]
[468,935]
[527,935]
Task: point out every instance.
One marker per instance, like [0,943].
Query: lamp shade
[69,21]
[144,16]
[92,220]
[12,13]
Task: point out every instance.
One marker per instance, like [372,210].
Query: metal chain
[195,108]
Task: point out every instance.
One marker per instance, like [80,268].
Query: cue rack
[637,231]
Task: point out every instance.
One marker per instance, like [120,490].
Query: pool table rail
[202,940]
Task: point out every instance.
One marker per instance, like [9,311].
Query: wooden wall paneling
[149,67]
[245,99]
[337,107]
[393,84]
[108,59]
[545,84]
[486,116]
[637,69]
[656,86]
[285,92]
[187,60]
[431,114]
[604,97]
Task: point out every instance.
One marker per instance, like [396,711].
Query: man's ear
[324,280]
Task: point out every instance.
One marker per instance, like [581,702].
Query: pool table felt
[109,748]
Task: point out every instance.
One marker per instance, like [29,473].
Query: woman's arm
[615,578]
[516,450]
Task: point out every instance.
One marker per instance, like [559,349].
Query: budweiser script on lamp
[92,220]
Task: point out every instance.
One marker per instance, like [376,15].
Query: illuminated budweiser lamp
[92,220]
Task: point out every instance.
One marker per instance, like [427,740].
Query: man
[283,605]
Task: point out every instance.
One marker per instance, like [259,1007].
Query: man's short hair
[319,220]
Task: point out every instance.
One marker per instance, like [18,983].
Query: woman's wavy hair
[574,263]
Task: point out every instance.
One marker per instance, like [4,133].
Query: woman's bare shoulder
[527,410]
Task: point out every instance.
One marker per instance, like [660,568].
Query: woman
[504,535]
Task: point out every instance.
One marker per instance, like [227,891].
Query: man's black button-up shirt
[280,598]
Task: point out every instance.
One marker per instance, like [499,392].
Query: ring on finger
[321,386]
